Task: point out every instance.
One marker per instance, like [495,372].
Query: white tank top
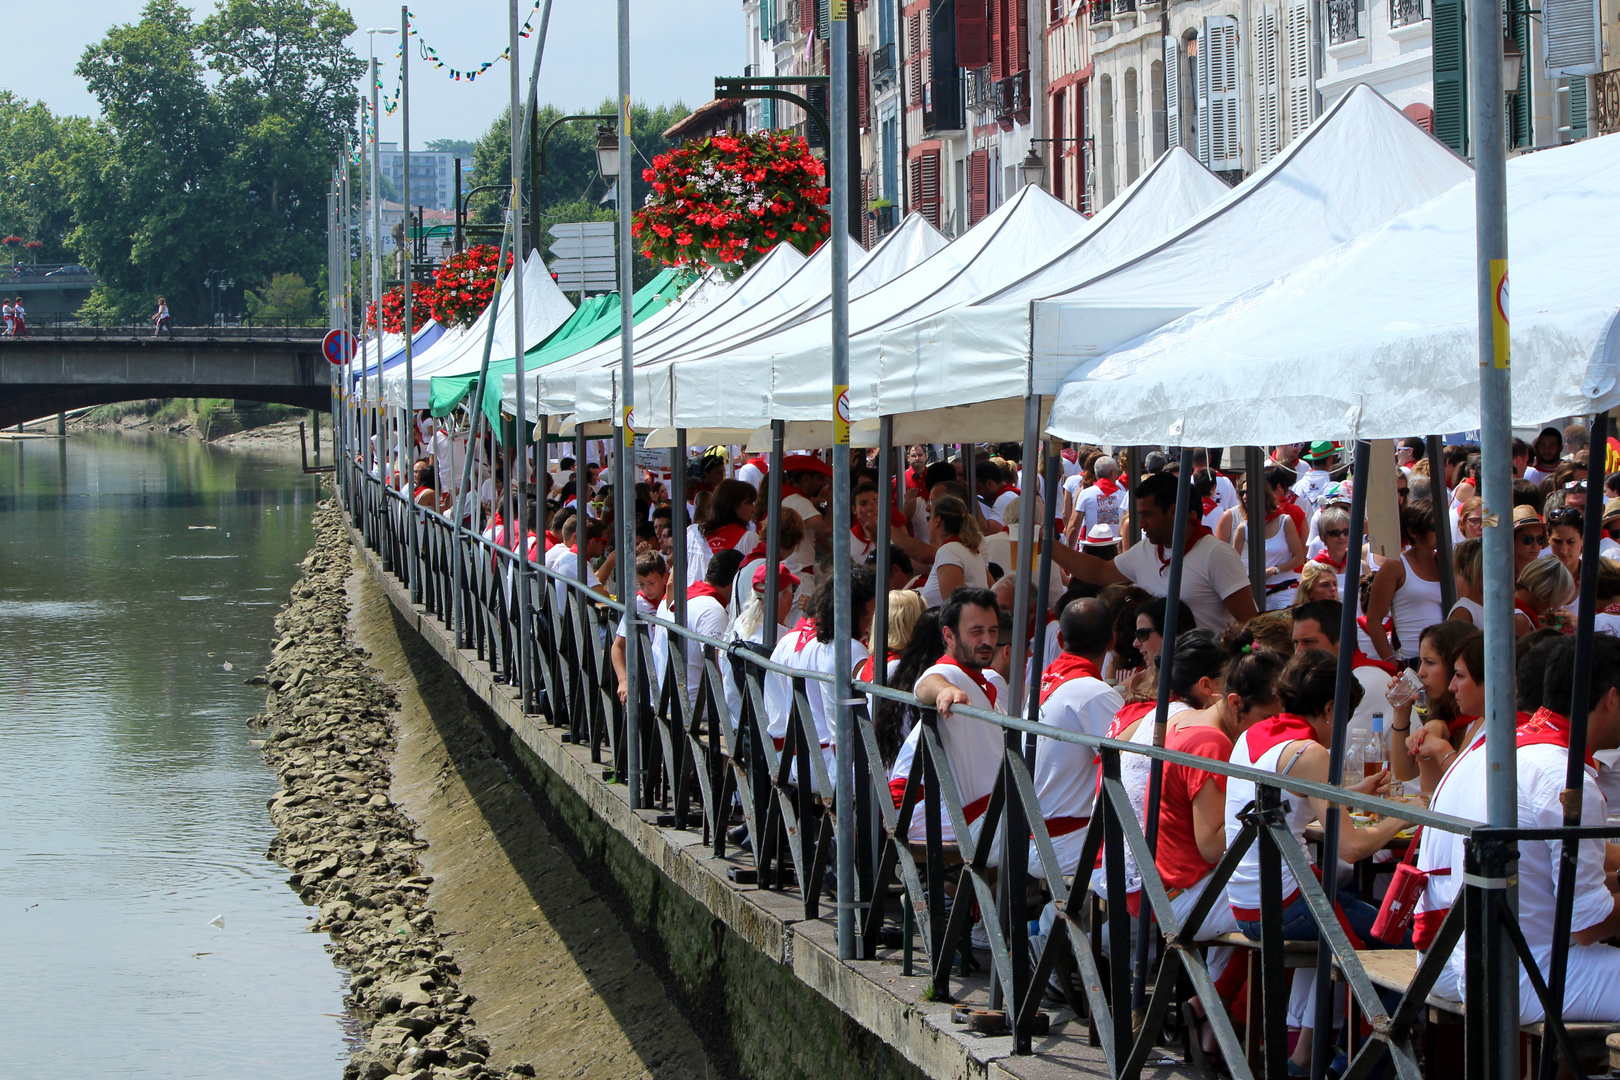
[1416,605]
[1244,888]
[1477,611]
[1276,555]
[1135,772]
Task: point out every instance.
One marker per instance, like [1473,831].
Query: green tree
[460,147]
[215,148]
[34,146]
[284,296]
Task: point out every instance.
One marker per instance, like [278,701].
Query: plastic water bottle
[1355,755]
[1376,754]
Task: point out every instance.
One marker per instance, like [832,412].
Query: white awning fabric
[1378,338]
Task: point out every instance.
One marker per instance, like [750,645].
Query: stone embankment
[350,850]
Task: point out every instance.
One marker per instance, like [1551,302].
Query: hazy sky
[677,47]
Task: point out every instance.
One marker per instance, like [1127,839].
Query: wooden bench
[1296,954]
[1394,969]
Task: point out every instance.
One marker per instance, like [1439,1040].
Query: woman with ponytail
[730,524]
[959,558]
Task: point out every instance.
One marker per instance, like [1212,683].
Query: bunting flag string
[390,102]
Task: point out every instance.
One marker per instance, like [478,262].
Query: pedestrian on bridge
[161,320]
[9,314]
[19,319]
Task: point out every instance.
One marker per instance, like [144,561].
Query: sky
[676,50]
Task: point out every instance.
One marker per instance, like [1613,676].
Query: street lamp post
[376,231]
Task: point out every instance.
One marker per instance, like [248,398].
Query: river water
[142,930]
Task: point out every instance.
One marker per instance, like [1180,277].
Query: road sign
[582,256]
[338,346]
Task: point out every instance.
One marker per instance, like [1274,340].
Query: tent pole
[1161,713]
[1043,598]
[887,489]
[1133,476]
[1442,532]
[773,523]
[1322,1047]
[520,440]
[677,529]
[1255,470]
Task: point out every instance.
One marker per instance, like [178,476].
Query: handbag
[1406,885]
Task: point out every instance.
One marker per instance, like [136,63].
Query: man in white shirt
[1310,487]
[970,623]
[1592,981]
[563,558]
[652,577]
[706,602]
[1316,626]
[990,484]
[1103,503]
[1214,582]
[803,478]
[809,648]
[1074,697]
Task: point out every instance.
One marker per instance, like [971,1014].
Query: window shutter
[868,215]
[1450,75]
[823,20]
[1172,92]
[1523,129]
[1020,44]
[998,37]
[814,137]
[978,179]
[1218,65]
[972,34]
[765,21]
[914,185]
[1301,78]
[1577,107]
[807,16]
[914,67]
[865,81]
[1199,61]
[929,186]
[1268,110]
[1574,41]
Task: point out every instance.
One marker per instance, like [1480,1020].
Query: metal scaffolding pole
[625,490]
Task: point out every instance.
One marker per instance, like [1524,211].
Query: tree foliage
[215,148]
[284,296]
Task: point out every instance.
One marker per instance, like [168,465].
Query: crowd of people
[1253,684]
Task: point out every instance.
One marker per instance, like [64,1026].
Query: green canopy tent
[595,320]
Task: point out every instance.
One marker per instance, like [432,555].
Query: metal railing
[883,66]
[1406,12]
[979,88]
[1101,11]
[1344,21]
[1604,102]
[67,326]
[698,757]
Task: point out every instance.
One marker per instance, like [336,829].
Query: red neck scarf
[1107,485]
[976,674]
[761,464]
[1460,725]
[1327,560]
[1360,659]
[789,489]
[551,538]
[1529,612]
[1273,515]
[1195,533]
[1209,505]
[1129,715]
[1066,668]
[1548,728]
[1282,728]
[701,588]
[806,629]
[858,532]
[726,536]
[868,666]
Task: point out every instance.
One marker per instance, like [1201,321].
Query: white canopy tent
[544,309]
[589,389]
[367,351]
[784,376]
[1378,338]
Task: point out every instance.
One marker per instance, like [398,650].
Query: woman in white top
[1284,553]
[1408,588]
[1468,567]
[959,559]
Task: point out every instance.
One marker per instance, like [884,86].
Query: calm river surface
[138,581]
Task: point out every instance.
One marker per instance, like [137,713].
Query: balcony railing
[1406,12]
[1012,100]
[1123,6]
[780,33]
[883,63]
[980,89]
[1604,101]
[1101,11]
[1344,21]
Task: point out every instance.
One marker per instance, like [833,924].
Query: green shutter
[765,22]
[1577,107]
[1522,132]
[1450,75]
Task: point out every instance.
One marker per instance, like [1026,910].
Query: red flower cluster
[727,200]
[34,245]
[12,241]
[463,284]
[393,309]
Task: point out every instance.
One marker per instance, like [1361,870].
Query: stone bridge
[44,375]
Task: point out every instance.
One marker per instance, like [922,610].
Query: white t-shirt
[704,615]
[801,650]
[996,509]
[1095,508]
[973,747]
[1210,573]
[565,561]
[1066,773]
[1310,488]
[1541,780]
[975,570]
[749,473]
[803,556]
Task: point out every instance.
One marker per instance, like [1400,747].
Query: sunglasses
[1402,492]
[1335,532]
[1144,632]
[1533,540]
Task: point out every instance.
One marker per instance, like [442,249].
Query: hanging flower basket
[727,200]
[464,283]
[393,309]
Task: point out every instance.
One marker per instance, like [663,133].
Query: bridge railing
[68,326]
[707,762]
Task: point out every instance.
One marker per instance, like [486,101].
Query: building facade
[433,175]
